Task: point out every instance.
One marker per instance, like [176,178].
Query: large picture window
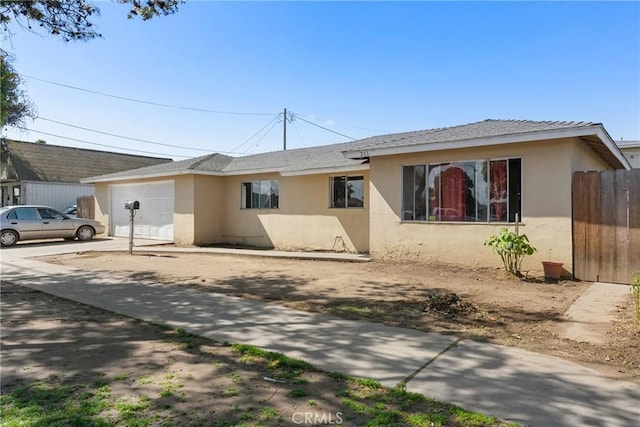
[470,191]
[260,195]
[347,191]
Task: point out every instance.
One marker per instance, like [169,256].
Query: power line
[101,145]
[382,132]
[265,134]
[322,127]
[157,104]
[121,136]
[298,132]
[277,116]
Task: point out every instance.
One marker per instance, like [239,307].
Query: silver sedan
[30,222]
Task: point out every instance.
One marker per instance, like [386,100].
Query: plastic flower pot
[552,270]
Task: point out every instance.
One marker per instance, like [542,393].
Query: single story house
[434,194]
[45,174]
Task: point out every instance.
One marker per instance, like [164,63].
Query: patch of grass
[368,382]
[169,388]
[298,392]
[311,402]
[358,407]
[232,392]
[384,419]
[121,377]
[339,376]
[268,413]
[371,404]
[54,404]
[426,420]
[287,366]
[234,377]
[350,309]
[144,379]
[472,419]
[132,404]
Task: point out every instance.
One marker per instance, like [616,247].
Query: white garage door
[154,219]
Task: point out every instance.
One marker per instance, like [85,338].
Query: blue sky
[356,68]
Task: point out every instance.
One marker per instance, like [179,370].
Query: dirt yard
[68,364]
[482,304]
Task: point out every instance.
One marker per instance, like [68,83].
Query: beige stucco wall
[183,204]
[303,219]
[207,210]
[547,169]
[102,203]
[209,199]
[183,210]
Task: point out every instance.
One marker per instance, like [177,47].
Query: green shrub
[512,248]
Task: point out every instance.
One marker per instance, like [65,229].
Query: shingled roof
[27,161]
[484,129]
[354,154]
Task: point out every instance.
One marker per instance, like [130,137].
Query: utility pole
[285,129]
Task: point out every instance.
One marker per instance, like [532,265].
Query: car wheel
[8,238]
[85,233]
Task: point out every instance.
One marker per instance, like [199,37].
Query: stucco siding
[101,193]
[303,219]
[546,208]
[183,210]
[585,159]
[209,203]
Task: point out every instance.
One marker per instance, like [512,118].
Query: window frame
[346,201]
[511,177]
[249,199]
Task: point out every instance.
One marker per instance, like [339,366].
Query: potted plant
[552,269]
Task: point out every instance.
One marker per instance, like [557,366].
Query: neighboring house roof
[354,155]
[628,144]
[27,161]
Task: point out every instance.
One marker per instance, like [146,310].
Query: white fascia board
[478,142]
[317,171]
[148,175]
[52,183]
[252,171]
[613,148]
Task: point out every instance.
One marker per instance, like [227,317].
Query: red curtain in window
[453,202]
[498,190]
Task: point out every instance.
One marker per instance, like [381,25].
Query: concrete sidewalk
[512,384]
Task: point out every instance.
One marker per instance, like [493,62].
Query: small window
[46,213]
[260,195]
[23,213]
[347,191]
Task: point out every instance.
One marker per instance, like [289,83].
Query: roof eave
[326,170]
[608,142]
[106,178]
[475,142]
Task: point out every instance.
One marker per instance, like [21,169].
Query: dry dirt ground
[67,364]
[484,304]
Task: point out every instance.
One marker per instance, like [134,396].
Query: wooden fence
[606,225]
[86,207]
